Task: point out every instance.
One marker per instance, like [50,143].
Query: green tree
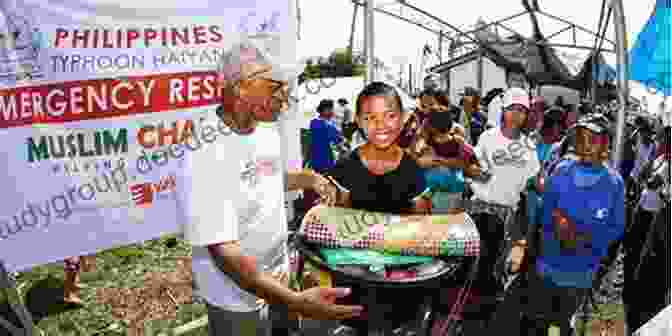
[340,63]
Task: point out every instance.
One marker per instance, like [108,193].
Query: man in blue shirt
[583,213]
[324,134]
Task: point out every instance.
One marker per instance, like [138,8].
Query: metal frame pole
[622,68]
[369,41]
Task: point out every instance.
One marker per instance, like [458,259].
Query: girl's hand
[331,193]
[325,189]
[516,257]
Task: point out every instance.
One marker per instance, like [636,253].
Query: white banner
[97,101]
[659,325]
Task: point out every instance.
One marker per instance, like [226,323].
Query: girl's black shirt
[392,192]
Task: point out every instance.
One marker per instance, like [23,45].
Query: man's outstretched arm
[315,303]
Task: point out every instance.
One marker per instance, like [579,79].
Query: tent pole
[622,64]
[369,41]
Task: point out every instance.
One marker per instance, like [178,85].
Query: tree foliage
[340,63]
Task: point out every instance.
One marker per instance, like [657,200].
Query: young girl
[441,149]
[379,175]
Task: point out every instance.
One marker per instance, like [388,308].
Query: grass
[118,268]
[123,267]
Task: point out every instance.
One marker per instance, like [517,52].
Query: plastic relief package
[417,235]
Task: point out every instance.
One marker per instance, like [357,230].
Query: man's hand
[318,304]
[452,163]
[331,194]
[516,258]
[428,161]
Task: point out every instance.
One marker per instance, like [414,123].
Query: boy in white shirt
[232,195]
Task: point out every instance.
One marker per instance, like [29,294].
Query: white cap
[516,96]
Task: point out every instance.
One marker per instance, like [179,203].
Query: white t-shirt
[233,189]
[511,164]
[495,112]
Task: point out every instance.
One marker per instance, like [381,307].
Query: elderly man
[232,199]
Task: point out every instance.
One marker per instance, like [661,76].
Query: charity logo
[254,170]
[81,144]
[144,194]
[20,46]
[163,133]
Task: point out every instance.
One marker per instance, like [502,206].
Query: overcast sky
[326,24]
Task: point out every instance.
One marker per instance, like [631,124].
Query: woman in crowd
[441,149]
[379,175]
[510,160]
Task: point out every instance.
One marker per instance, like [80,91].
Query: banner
[659,325]
[97,102]
[651,56]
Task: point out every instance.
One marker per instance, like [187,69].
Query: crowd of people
[536,180]
[528,173]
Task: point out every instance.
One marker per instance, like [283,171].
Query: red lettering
[107,43]
[187,131]
[216,34]
[168,132]
[164,37]
[80,36]
[95,38]
[180,37]
[199,35]
[61,35]
[131,35]
[165,184]
[120,37]
[150,34]
[142,137]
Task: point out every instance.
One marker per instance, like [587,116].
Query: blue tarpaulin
[651,56]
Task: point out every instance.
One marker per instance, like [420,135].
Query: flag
[651,56]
